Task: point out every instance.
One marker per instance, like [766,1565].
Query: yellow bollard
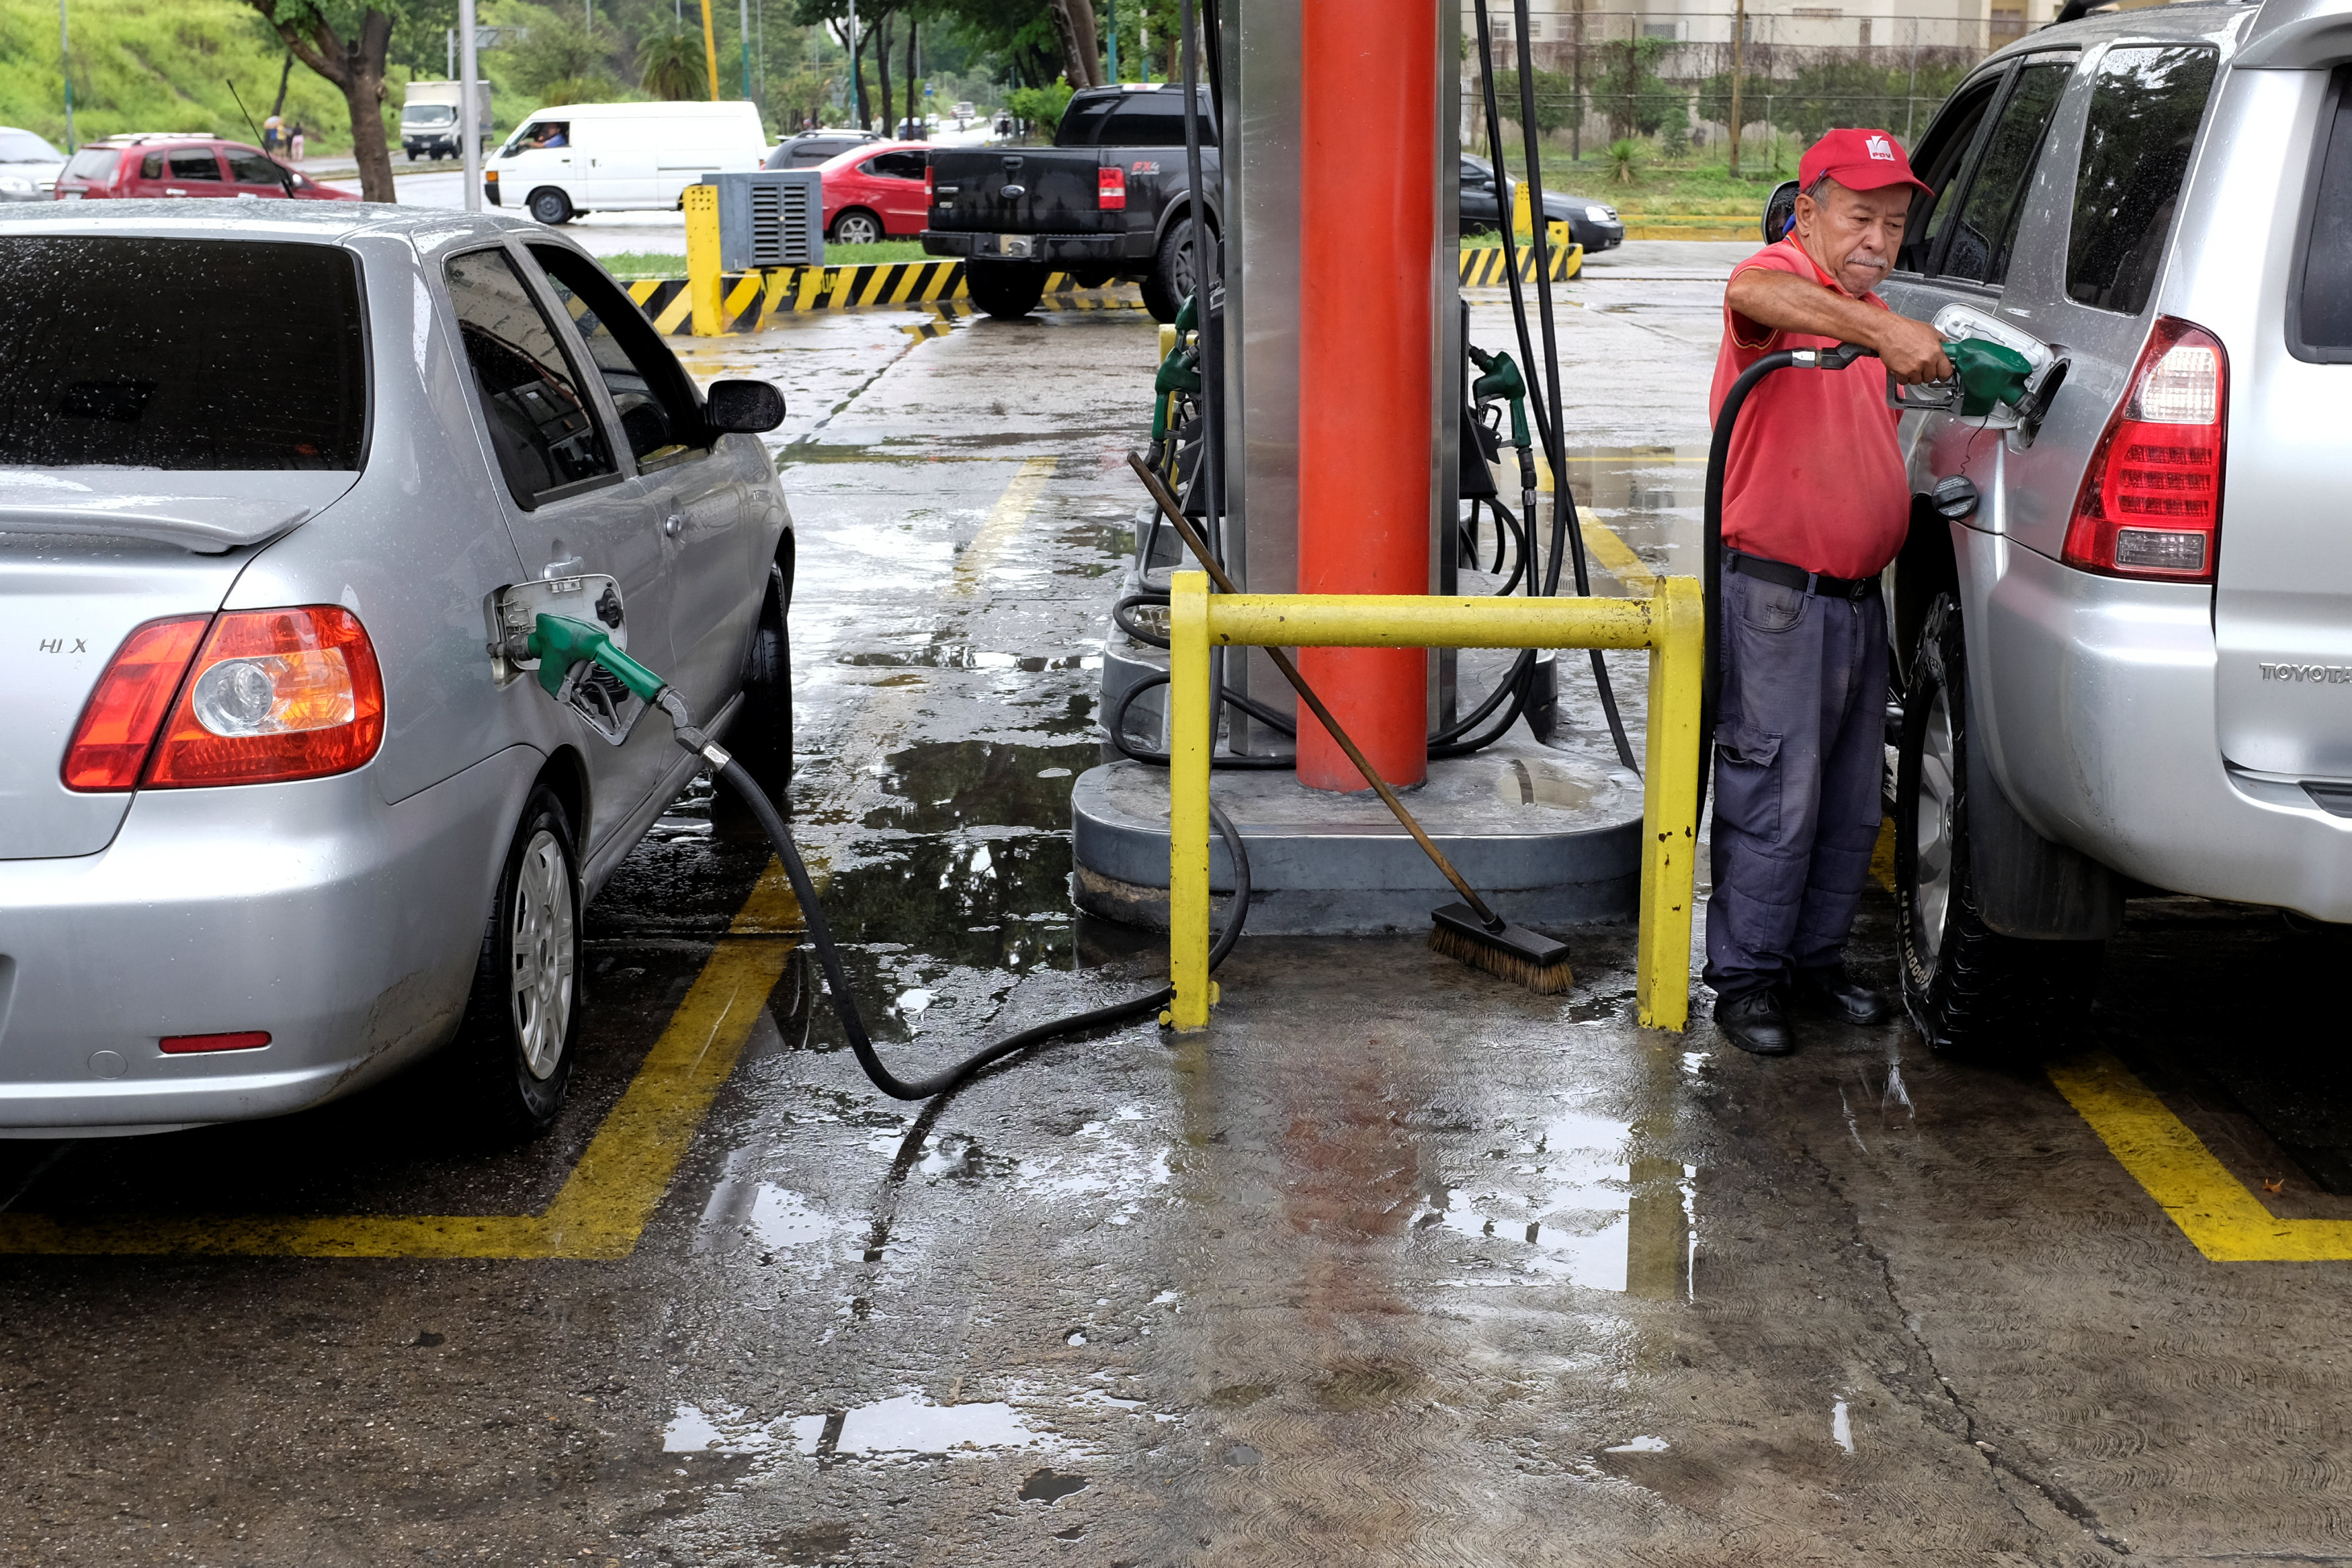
[702,258]
[1669,622]
[1670,815]
[1562,237]
[1192,733]
[1167,341]
[1523,217]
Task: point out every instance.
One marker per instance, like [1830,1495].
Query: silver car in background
[275,818]
[2129,669]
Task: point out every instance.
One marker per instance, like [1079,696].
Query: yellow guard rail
[1670,624]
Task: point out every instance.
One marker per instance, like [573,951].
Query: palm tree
[672,63]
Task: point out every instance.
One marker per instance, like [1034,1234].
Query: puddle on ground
[1049,1488]
[1653,498]
[963,656]
[907,1424]
[947,785]
[1574,1206]
[999,903]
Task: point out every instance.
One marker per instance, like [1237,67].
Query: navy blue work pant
[1798,753]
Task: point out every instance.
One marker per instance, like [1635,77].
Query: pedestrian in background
[1816,503]
[273,132]
[297,150]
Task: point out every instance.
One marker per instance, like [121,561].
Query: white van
[576,158]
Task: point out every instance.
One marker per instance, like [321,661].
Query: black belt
[1796,577]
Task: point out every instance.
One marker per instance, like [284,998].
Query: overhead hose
[1567,532]
[1719,457]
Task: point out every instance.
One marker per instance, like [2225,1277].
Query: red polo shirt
[1813,478]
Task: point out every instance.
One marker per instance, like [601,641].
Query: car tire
[1007,290]
[1169,280]
[1970,989]
[761,733]
[516,1041]
[856,227]
[550,206]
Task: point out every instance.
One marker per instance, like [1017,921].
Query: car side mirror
[749,407]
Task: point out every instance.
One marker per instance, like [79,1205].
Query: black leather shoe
[1755,1022]
[1833,993]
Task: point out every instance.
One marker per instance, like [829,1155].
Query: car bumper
[347,929]
[2106,738]
[35,195]
[1596,237]
[1055,250]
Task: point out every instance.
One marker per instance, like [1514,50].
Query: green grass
[660,264]
[157,65]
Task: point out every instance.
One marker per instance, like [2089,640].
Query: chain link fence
[1604,75]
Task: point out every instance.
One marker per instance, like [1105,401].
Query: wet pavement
[1392,1264]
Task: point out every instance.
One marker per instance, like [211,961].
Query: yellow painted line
[1617,557]
[2223,1220]
[1004,521]
[603,1206]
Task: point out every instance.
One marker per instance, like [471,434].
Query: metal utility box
[771,218]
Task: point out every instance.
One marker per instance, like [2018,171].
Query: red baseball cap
[1858,160]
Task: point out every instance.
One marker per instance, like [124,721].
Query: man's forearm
[1786,303]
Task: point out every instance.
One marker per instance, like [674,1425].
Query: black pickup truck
[1110,199]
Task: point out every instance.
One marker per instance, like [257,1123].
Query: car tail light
[931,184]
[2150,504]
[118,724]
[275,694]
[186,1044]
[1110,189]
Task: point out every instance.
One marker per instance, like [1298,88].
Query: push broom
[1469,932]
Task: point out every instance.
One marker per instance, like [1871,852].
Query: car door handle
[173,191]
[674,525]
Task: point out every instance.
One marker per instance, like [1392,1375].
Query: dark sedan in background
[1594,224]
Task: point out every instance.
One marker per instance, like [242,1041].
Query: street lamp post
[469,110]
[65,68]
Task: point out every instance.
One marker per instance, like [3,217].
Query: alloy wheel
[540,953]
[857,229]
[1932,875]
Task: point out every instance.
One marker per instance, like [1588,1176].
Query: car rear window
[1155,120]
[94,162]
[1082,122]
[2321,325]
[179,353]
[2145,110]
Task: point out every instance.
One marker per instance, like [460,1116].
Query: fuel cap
[1956,497]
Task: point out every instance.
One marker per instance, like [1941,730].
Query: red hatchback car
[176,166]
[876,192]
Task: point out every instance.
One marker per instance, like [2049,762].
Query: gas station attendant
[1816,504]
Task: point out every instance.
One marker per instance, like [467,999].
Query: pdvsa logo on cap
[1879,149]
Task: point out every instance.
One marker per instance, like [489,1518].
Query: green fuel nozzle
[1499,378]
[558,643]
[1988,373]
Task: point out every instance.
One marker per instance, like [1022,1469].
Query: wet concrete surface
[1392,1264]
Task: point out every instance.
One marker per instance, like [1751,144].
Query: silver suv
[2129,668]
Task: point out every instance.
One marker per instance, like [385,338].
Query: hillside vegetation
[155,65]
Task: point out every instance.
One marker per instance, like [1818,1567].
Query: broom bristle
[1523,957]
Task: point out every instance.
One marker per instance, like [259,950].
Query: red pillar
[1367,109]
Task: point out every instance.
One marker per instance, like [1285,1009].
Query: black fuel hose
[1718,456]
[844,1001]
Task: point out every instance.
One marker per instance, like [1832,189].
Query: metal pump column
[1368,105]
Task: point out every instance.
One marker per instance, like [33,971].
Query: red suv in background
[876,192]
[182,165]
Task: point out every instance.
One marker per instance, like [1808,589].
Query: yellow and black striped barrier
[1482,268]
[748,300]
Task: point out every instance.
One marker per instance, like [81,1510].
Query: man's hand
[1787,303]
[1912,351]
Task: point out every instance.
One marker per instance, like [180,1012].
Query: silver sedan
[282,806]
